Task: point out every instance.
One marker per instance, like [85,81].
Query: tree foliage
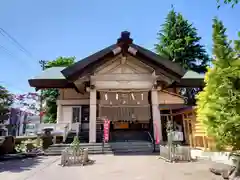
[218,105]
[28,102]
[6,98]
[179,42]
[50,95]
[231,2]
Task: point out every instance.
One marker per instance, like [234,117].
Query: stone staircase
[138,147]
[93,148]
[142,147]
[123,136]
[120,142]
[83,137]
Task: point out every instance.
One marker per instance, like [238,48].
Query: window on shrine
[85,114]
[76,114]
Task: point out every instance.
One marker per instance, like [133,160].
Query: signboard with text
[177,136]
[106,130]
[157,140]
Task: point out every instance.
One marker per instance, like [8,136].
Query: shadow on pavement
[20,165]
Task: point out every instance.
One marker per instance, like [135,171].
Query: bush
[28,145]
[7,147]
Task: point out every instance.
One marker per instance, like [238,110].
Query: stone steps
[133,147]
[83,136]
[95,148]
[108,148]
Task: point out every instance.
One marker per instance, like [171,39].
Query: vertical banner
[157,141]
[106,130]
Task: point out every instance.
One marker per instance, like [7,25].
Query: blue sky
[52,28]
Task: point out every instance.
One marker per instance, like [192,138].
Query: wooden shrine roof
[63,77]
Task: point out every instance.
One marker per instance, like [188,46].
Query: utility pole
[43,65]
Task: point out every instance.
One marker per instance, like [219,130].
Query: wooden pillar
[204,142]
[59,113]
[185,131]
[93,116]
[190,134]
[193,121]
[156,115]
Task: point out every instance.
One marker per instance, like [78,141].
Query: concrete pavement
[107,167]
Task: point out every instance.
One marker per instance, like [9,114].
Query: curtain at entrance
[125,106]
[125,113]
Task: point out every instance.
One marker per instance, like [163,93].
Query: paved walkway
[107,167]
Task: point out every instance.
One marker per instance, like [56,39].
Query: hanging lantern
[142,96]
[116,96]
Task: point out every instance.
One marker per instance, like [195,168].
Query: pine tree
[179,42]
[218,105]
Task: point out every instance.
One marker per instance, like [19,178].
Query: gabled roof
[191,79]
[193,75]
[72,71]
[50,78]
[53,73]
[63,77]
[53,78]
[165,63]
[124,43]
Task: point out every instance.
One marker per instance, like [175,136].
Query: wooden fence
[72,156]
[175,153]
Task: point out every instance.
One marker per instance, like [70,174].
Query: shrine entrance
[129,114]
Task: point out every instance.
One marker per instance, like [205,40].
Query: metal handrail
[67,129]
[149,134]
[153,143]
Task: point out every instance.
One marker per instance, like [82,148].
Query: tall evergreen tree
[218,105]
[179,42]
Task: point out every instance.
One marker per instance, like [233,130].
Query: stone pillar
[93,116]
[157,126]
[59,113]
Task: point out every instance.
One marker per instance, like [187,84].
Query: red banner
[156,133]
[106,130]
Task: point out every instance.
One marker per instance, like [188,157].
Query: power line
[23,49]
[17,44]
[4,83]
[13,40]
[7,51]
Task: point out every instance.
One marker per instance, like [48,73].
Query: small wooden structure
[75,157]
[175,153]
[195,134]
[196,131]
